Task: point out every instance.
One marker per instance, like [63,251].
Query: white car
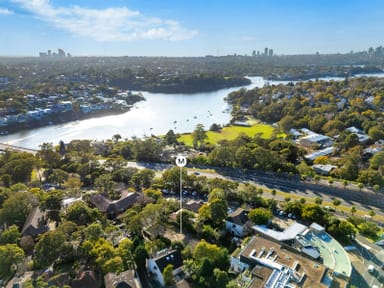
[371,269]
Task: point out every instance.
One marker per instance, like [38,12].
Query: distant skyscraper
[270,52]
[266,51]
[61,52]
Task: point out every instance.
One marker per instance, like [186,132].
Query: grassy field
[231,132]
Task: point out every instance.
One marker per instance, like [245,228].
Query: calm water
[156,115]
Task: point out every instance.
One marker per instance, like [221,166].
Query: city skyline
[175,28]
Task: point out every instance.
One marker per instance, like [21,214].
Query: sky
[189,28]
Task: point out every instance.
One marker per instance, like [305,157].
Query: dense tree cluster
[325,107]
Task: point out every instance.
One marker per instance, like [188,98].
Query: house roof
[239,216]
[169,257]
[193,205]
[324,167]
[127,200]
[288,234]
[35,223]
[125,279]
[86,279]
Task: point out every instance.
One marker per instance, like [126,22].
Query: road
[367,254]
[350,195]
[4,147]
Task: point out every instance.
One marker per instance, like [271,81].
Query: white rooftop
[288,234]
[323,152]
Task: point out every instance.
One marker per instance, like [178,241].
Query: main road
[364,199]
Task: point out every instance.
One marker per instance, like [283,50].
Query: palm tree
[353,210]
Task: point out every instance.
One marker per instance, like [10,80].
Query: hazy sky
[189,28]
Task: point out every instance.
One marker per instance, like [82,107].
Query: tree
[342,230]
[124,250]
[10,256]
[171,178]
[215,127]
[58,176]
[286,123]
[260,216]
[116,138]
[244,157]
[377,162]
[318,200]
[221,278]
[17,208]
[19,166]
[147,150]
[10,235]
[198,136]
[353,210]
[81,214]
[113,265]
[143,178]
[336,202]
[168,275]
[218,210]
[93,232]
[51,202]
[273,192]
[140,256]
[105,183]
[50,157]
[369,229]
[376,133]
[312,212]
[49,248]
[170,138]
[73,183]
[218,256]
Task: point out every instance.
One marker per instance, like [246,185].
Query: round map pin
[181,161]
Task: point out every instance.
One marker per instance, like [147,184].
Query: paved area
[367,254]
[333,254]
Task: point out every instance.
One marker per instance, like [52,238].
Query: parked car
[371,269]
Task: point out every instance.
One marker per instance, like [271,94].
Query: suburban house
[323,152]
[35,224]
[126,279]
[164,258]
[193,205]
[323,169]
[311,138]
[236,221]
[87,279]
[363,138]
[115,207]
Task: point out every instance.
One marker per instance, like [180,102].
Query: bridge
[5,147]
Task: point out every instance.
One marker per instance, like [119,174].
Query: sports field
[231,132]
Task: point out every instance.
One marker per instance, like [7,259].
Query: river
[158,114]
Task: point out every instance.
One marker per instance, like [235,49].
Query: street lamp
[181,161]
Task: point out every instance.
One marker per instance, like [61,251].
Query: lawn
[231,132]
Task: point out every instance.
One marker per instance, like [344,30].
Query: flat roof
[333,254]
[289,233]
[313,271]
